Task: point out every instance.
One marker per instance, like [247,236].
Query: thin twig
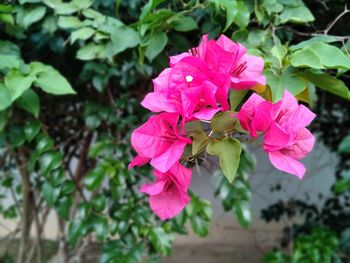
[346,10]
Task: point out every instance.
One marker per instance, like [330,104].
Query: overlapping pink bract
[286,139]
[168,194]
[196,86]
[159,141]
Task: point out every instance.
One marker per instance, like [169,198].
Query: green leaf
[30,102]
[296,14]
[94,179]
[27,17]
[148,7]
[66,22]
[231,11]
[330,56]
[82,4]
[279,51]
[17,83]
[50,161]
[5,97]
[63,208]
[6,8]
[100,225]
[236,97]
[289,79]
[90,51]
[185,23]
[53,82]
[99,203]
[341,185]
[224,122]
[31,129]
[82,34]
[200,226]
[44,144]
[124,37]
[229,151]
[3,120]
[9,61]
[344,146]
[67,187]
[243,15]
[243,213]
[306,58]
[324,39]
[50,193]
[62,8]
[36,68]
[200,141]
[29,1]
[75,231]
[16,136]
[157,43]
[160,240]
[328,83]
[7,19]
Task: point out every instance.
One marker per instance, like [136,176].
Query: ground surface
[227,243]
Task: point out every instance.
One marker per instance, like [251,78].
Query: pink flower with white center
[226,56]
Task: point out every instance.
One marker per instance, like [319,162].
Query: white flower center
[189,78]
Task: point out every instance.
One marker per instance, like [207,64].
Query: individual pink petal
[303,145]
[157,102]
[223,92]
[176,59]
[289,103]
[277,138]
[217,58]
[169,157]
[162,81]
[248,72]
[248,112]
[287,164]
[263,117]
[153,189]
[301,117]
[168,195]
[254,67]
[197,98]
[153,138]
[169,205]
[160,140]
[236,49]
[138,161]
[206,113]
[202,46]
[181,176]
[239,83]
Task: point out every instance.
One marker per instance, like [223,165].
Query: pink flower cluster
[195,87]
[286,140]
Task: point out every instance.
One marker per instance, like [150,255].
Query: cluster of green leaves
[236,197]
[17,78]
[296,67]
[102,199]
[320,246]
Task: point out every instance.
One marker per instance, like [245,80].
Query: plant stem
[26,211]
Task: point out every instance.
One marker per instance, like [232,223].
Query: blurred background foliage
[72,74]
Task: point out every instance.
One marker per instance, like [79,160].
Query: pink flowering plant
[200,108]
